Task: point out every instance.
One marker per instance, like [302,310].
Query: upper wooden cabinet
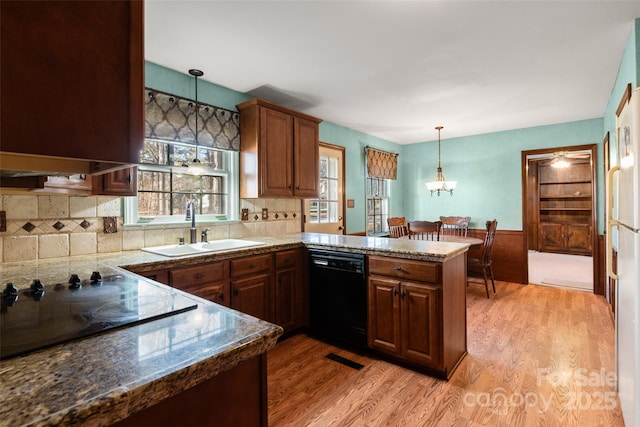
[279,151]
[72,84]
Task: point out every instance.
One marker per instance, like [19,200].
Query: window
[377,205]
[326,209]
[165,185]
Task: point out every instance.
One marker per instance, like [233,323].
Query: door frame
[525,160]
[342,187]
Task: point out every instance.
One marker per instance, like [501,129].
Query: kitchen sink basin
[201,248]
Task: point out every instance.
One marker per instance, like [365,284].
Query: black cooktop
[43,315]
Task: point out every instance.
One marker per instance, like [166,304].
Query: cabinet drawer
[250,265]
[423,271]
[198,274]
[285,259]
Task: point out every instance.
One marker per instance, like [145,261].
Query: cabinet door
[384,315]
[552,237]
[579,238]
[276,153]
[122,182]
[209,281]
[420,324]
[250,295]
[75,85]
[161,275]
[285,294]
[306,161]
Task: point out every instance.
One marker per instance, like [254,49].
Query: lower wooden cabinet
[406,320]
[250,284]
[565,238]
[209,281]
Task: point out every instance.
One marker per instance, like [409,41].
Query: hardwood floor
[538,356]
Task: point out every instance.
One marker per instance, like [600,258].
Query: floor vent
[344,361]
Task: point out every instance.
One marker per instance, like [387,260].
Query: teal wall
[487,168]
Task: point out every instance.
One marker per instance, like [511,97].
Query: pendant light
[440,184]
[195,167]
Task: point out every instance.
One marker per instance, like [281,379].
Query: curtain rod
[382,151]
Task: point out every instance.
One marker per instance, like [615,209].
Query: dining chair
[480,267]
[455,225]
[424,230]
[397,226]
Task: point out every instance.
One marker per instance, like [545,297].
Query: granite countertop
[104,378]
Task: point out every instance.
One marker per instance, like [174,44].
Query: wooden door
[384,315]
[552,237]
[420,324]
[325,214]
[579,238]
[276,153]
[306,158]
[123,182]
[250,295]
[285,295]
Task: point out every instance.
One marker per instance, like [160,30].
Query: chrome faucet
[191,215]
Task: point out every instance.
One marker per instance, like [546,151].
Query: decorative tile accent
[294,215]
[58,225]
[110,224]
[245,214]
[286,215]
[3,221]
[255,217]
[28,227]
[85,224]
[276,216]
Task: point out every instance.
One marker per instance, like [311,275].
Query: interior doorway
[326,213]
[560,216]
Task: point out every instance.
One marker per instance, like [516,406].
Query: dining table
[473,241]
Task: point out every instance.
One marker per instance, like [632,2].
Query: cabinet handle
[297,187]
[397,267]
[403,293]
[129,179]
[395,292]
[289,186]
[252,265]
[199,276]
[222,297]
[235,292]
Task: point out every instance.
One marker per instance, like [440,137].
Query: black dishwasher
[338,296]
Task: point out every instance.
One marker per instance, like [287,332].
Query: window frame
[231,179]
[384,202]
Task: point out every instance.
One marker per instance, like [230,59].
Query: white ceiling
[397,69]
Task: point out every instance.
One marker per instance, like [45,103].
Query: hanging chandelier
[195,166]
[440,184]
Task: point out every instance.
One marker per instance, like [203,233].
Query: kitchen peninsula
[111,377]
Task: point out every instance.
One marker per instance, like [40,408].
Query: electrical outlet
[265,213]
[3,221]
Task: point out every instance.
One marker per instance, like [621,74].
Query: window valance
[171,118]
[381,164]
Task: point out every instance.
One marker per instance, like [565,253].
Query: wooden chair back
[487,246]
[424,230]
[455,225]
[397,226]
[481,267]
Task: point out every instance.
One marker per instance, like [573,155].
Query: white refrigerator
[628,245]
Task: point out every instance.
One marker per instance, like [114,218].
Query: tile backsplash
[50,226]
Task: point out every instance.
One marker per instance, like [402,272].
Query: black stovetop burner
[44,315]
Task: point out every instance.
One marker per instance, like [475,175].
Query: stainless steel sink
[201,248]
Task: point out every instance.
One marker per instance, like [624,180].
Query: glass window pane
[324,212]
[324,168]
[180,203]
[333,168]
[213,204]
[333,212]
[212,184]
[333,190]
[154,181]
[152,204]
[313,212]
[186,183]
[324,189]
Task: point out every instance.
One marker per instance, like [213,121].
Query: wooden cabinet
[280,152]
[72,84]
[407,319]
[160,275]
[289,293]
[122,182]
[209,281]
[251,284]
[569,238]
[403,315]
[566,208]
